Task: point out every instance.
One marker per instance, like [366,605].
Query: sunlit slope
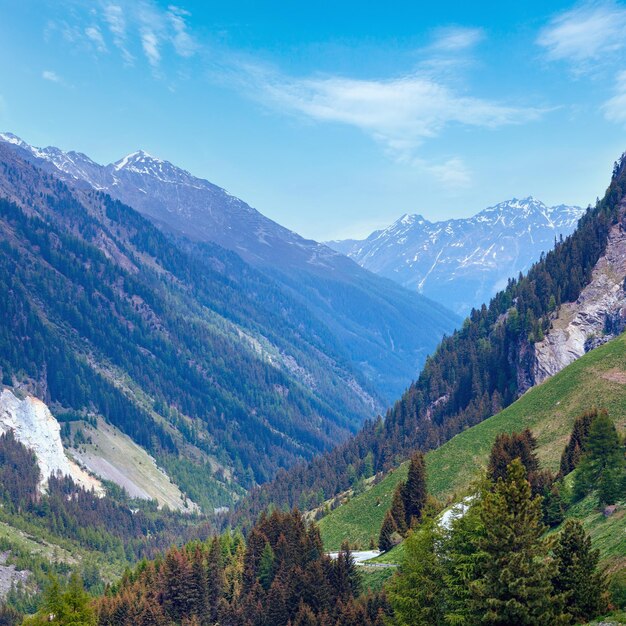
[598,379]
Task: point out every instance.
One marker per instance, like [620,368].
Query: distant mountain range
[386,331]
[463,262]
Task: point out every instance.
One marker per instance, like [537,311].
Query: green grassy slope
[597,379]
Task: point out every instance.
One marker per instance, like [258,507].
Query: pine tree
[602,466]
[305,617]
[461,556]
[415,490]
[417,594]
[266,566]
[577,576]
[577,443]
[508,447]
[77,608]
[398,512]
[514,584]
[552,506]
[387,532]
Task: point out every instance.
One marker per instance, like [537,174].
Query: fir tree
[461,557]
[387,532]
[398,511]
[417,594]
[414,490]
[577,576]
[552,506]
[577,443]
[602,466]
[514,584]
[266,566]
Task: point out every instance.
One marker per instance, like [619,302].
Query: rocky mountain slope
[464,262]
[34,426]
[597,315]
[198,358]
[387,332]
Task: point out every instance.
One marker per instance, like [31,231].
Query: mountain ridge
[463,262]
[387,330]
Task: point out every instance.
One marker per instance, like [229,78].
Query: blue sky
[333,118]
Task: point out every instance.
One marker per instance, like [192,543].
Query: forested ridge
[183,347]
[480,369]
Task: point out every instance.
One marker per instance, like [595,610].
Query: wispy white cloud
[585,36]
[400,113]
[116,21]
[51,76]
[133,27]
[95,36]
[615,108]
[457,39]
[453,173]
[150,45]
[184,43]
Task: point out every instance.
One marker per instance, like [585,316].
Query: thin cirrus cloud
[588,37]
[585,36]
[615,108]
[133,28]
[399,113]
[457,38]
[51,76]
[94,34]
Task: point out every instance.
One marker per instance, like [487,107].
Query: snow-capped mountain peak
[463,262]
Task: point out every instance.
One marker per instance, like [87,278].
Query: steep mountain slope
[598,379]
[464,262]
[205,362]
[481,368]
[386,331]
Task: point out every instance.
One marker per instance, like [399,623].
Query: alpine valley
[202,413]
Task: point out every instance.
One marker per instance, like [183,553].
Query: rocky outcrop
[599,313]
[36,428]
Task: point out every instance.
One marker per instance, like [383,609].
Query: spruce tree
[398,511]
[417,593]
[266,566]
[461,556]
[577,576]
[414,490]
[577,443]
[387,532]
[514,583]
[602,465]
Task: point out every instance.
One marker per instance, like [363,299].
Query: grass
[598,379]
[374,578]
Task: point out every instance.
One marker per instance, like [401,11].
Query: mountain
[194,355]
[549,410]
[501,351]
[386,331]
[463,262]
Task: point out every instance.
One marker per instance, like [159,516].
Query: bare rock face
[36,428]
[599,313]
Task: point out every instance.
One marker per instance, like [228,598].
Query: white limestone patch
[36,428]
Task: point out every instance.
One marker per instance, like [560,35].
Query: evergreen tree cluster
[493,565]
[407,505]
[480,369]
[278,576]
[602,466]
